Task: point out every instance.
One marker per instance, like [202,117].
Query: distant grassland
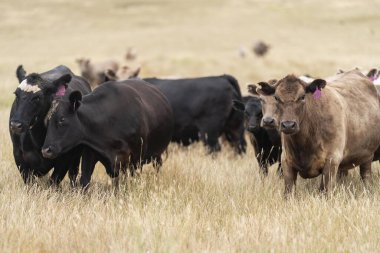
[196,203]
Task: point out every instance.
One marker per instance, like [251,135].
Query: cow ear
[110,75]
[314,85]
[238,105]
[265,89]
[372,74]
[75,98]
[135,73]
[252,89]
[59,86]
[20,73]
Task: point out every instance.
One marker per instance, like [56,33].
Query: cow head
[252,112]
[284,102]
[63,126]
[268,107]
[33,98]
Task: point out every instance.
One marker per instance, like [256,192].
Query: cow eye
[277,99]
[61,121]
[302,98]
[36,99]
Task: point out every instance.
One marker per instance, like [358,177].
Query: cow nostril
[47,150]
[268,120]
[16,125]
[288,124]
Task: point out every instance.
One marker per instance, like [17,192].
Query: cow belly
[355,160]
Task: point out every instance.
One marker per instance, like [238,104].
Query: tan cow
[94,72]
[326,127]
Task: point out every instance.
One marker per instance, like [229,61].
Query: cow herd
[309,126]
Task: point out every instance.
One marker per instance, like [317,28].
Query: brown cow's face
[284,102]
[270,112]
[290,101]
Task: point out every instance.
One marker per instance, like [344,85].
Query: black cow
[266,142]
[33,99]
[203,110]
[128,123]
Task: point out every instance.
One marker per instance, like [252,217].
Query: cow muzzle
[268,122]
[252,128]
[289,127]
[16,127]
[49,152]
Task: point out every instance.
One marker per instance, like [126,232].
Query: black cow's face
[32,101]
[63,126]
[253,114]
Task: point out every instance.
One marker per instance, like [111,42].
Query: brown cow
[324,127]
[94,72]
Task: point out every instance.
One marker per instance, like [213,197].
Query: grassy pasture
[196,203]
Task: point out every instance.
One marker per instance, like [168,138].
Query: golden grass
[196,203]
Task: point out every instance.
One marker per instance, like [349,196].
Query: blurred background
[190,38]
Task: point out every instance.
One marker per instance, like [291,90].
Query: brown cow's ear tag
[317,93]
[61,91]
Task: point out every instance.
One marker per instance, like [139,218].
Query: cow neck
[304,141]
[261,137]
[89,125]
[38,133]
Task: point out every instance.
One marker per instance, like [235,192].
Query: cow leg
[365,171]
[211,141]
[73,173]
[26,174]
[236,140]
[157,163]
[330,172]
[290,177]
[342,174]
[58,175]
[88,165]
[263,168]
[279,170]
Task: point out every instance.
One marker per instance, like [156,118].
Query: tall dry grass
[196,203]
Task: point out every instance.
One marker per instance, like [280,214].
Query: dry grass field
[196,203]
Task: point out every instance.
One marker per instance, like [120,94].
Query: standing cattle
[94,73]
[203,109]
[266,142]
[128,123]
[324,127]
[26,124]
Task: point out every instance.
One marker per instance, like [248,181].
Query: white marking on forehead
[24,86]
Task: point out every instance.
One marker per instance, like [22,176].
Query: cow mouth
[289,131]
[269,126]
[49,152]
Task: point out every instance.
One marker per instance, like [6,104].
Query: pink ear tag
[61,91]
[317,94]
